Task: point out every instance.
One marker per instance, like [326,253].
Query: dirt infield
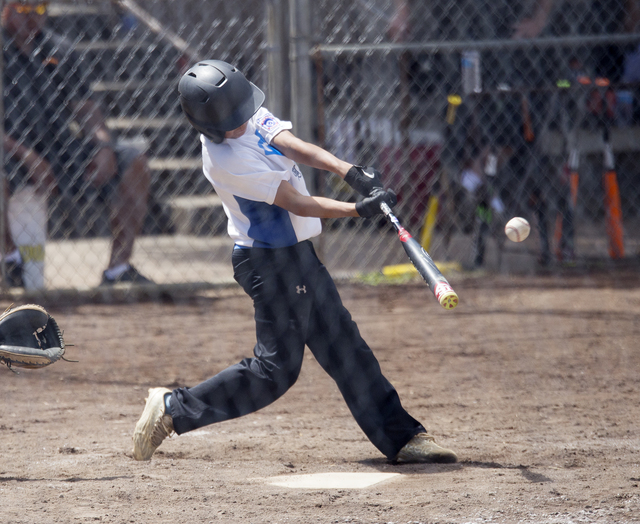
[533,381]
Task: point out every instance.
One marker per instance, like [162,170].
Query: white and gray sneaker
[423,448]
[154,425]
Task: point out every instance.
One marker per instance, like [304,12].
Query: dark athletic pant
[296,304]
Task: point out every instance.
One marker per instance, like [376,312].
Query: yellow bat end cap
[445,295]
[449,300]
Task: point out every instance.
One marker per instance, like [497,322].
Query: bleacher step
[197,214]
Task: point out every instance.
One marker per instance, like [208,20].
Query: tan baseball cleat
[153,427]
[423,448]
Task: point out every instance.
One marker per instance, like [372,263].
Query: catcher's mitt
[29,337]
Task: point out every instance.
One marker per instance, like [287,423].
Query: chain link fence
[474,111]
[480,111]
[124,58]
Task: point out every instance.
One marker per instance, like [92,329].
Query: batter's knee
[280,369]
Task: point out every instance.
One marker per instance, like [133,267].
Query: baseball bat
[612,205]
[438,285]
[429,224]
[527,127]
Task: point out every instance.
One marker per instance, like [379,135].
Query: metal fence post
[301,94]
[278,71]
[3,186]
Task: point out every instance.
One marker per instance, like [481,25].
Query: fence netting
[474,112]
[481,111]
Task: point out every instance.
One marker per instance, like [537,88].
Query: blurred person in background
[601,64]
[55,137]
[493,140]
[486,149]
[586,17]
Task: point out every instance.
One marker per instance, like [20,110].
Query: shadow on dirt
[430,469]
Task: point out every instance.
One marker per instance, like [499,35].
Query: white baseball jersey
[246,173]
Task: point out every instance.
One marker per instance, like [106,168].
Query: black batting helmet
[217,98]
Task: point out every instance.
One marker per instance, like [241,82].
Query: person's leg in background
[128,211]
[10,256]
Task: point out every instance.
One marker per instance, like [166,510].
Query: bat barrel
[436,281]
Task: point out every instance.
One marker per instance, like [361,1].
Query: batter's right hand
[370,206]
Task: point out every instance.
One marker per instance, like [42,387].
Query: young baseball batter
[250,157]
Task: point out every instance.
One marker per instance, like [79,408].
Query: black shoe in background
[130,275]
[14,274]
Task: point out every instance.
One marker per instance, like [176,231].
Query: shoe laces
[425,436]
[162,429]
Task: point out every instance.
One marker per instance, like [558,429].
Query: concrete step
[175,164]
[106,86]
[138,124]
[201,215]
[160,137]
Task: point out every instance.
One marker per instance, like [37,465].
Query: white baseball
[517,229]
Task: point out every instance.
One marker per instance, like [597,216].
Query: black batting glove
[363,179]
[370,206]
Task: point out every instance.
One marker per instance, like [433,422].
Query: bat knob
[446,296]
[449,301]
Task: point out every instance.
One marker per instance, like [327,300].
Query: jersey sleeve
[268,125]
[244,175]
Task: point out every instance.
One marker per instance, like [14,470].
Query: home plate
[335,480]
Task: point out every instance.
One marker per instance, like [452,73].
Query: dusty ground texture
[533,381]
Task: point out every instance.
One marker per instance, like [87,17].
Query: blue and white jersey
[246,173]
